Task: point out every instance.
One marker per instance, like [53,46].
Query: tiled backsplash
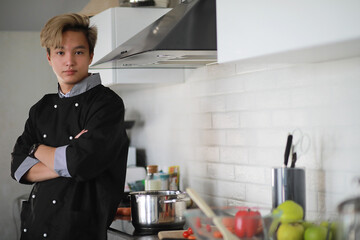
[227,125]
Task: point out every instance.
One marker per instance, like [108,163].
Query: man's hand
[81,133]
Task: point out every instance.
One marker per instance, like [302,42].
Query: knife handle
[287,149]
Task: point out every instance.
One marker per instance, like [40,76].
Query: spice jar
[152,180]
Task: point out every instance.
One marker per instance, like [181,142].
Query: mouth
[70,72]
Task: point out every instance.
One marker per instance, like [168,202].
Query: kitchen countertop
[122,228]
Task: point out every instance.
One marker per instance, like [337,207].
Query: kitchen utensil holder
[288,184]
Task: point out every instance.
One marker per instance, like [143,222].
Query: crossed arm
[44,170]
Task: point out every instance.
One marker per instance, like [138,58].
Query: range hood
[185,37]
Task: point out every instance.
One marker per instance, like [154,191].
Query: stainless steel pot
[158,210]
[349,219]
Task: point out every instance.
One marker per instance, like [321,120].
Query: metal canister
[288,184]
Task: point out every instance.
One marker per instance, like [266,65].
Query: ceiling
[31,15]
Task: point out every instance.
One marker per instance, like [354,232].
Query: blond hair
[51,34]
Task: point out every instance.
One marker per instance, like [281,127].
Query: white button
[55,106]
[76,104]
[33,196]
[45,235]
[54,201]
[25,230]
[71,137]
[44,136]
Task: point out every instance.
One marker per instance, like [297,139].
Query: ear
[48,58]
[91,58]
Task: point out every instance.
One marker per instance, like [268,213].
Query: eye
[79,52]
[60,53]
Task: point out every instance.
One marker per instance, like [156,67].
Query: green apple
[332,227]
[307,224]
[316,233]
[291,211]
[290,231]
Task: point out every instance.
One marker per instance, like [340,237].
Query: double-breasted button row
[76,105]
[34,196]
[44,234]
[70,137]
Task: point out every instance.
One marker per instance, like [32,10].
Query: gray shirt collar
[86,84]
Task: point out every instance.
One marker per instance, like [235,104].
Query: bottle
[164,179]
[174,177]
[152,180]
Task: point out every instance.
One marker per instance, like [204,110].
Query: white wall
[227,127]
[25,76]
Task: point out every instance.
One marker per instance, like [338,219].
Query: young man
[74,145]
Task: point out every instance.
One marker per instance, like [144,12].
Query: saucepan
[158,210]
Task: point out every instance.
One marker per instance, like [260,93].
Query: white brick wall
[226,126]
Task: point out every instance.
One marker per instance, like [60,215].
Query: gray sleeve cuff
[60,165]
[28,163]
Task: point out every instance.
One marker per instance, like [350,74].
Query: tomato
[231,229]
[247,222]
[208,227]
[190,231]
[228,222]
[217,234]
[186,234]
[198,222]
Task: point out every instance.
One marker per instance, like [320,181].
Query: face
[70,62]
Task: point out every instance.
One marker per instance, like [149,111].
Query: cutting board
[171,234]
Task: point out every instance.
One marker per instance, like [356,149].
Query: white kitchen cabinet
[287,31]
[117,25]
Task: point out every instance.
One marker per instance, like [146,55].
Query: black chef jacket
[81,206]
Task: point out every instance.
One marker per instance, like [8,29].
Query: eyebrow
[77,47]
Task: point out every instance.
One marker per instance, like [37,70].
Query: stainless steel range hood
[185,37]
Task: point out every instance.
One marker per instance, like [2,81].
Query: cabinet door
[106,38]
[250,29]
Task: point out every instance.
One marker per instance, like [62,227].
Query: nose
[69,60]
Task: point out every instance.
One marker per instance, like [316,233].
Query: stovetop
[124,226]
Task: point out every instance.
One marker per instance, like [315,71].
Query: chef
[74,145]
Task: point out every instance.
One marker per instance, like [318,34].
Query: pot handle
[186,199]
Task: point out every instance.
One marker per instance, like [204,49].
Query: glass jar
[152,180]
